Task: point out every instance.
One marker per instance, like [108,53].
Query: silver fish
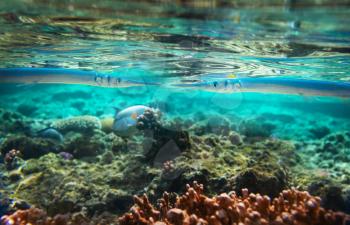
[65,76]
[275,85]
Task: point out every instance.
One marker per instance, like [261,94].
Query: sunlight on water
[177,40]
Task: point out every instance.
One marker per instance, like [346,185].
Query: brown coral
[291,207]
[10,158]
[35,216]
[32,216]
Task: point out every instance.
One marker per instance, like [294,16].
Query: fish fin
[116,110]
[45,129]
[42,130]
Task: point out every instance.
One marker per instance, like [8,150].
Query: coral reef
[149,120]
[193,207]
[39,217]
[85,144]
[29,147]
[5,203]
[327,170]
[11,159]
[254,130]
[107,124]
[320,132]
[290,207]
[81,124]
[94,171]
[72,185]
[158,137]
[16,123]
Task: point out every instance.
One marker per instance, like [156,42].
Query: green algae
[107,170]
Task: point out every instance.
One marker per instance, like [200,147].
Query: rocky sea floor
[92,171]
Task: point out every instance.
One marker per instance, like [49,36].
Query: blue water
[165,50]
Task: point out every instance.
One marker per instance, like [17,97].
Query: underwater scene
[166,112]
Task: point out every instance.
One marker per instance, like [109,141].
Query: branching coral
[291,207]
[35,216]
[32,216]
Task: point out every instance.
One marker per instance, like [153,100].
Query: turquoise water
[164,50]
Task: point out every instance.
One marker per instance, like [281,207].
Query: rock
[107,157]
[20,205]
[13,122]
[27,109]
[330,193]
[346,196]
[235,138]
[218,125]
[29,147]
[165,138]
[117,200]
[83,145]
[254,130]
[62,186]
[259,181]
[320,132]
[14,176]
[5,203]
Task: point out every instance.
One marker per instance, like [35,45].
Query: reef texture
[79,123]
[93,172]
[290,207]
[35,216]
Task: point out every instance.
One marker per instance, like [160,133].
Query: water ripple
[182,40]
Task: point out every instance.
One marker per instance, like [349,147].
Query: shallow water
[170,44]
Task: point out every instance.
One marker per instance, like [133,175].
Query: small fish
[125,121]
[275,85]
[50,133]
[65,76]
[222,86]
